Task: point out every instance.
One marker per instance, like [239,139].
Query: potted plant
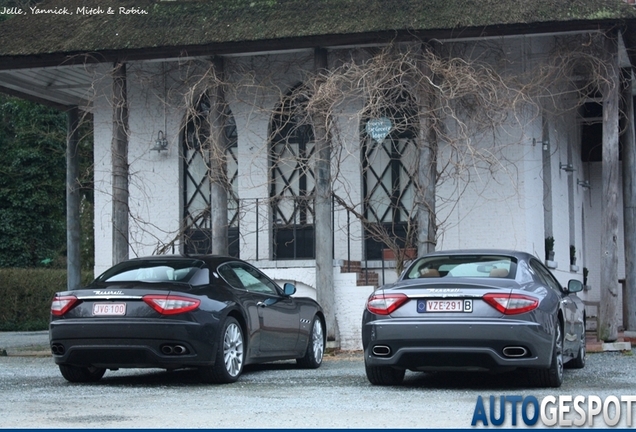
[586,272]
[549,248]
[573,266]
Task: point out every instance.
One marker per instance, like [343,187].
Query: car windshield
[152,271]
[463,266]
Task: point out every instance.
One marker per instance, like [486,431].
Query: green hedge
[26,295]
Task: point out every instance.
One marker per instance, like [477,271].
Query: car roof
[209,259]
[506,252]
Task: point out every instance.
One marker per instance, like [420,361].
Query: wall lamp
[544,144]
[585,184]
[161,143]
[566,167]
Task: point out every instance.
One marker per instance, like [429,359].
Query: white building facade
[509,188]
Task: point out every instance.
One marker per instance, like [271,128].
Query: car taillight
[384,304]
[511,304]
[61,304]
[171,304]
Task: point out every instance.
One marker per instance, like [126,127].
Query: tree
[32,172]
[32,184]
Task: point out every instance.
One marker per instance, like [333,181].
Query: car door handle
[267,302]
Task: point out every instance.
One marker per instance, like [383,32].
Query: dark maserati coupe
[474,310]
[213,313]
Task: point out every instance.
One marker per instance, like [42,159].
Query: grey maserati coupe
[474,310]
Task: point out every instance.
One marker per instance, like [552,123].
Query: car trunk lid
[118,300]
[450,299]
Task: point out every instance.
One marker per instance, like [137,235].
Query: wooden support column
[219,183]
[119,151]
[629,199]
[608,325]
[73,199]
[323,212]
[546,163]
[427,164]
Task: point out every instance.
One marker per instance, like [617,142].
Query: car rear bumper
[124,344]
[456,345]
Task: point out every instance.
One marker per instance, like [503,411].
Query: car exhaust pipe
[169,349]
[515,351]
[57,349]
[381,350]
[179,349]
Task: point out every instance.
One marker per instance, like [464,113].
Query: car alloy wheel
[578,362]
[559,356]
[315,346]
[233,349]
[318,341]
[228,363]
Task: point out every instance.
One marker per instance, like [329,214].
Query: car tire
[578,362]
[78,374]
[384,375]
[315,346]
[228,364]
[552,376]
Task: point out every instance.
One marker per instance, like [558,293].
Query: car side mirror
[575,286]
[289,289]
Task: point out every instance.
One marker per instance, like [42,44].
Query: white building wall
[154,181]
[489,192]
[154,184]
[532,187]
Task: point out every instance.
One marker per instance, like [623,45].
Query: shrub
[26,295]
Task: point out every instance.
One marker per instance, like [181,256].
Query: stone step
[363,276]
[368,278]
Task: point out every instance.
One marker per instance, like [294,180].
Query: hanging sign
[379,128]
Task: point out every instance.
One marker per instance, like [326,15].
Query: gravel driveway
[279,395]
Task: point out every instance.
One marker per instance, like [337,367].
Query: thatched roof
[187,24]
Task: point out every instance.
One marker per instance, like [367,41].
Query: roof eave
[333,41]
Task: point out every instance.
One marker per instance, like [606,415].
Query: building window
[591,131]
[292,186]
[591,119]
[388,170]
[196,202]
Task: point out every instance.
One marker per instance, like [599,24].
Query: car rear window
[463,266]
[153,271]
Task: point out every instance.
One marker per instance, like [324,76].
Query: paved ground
[278,395]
